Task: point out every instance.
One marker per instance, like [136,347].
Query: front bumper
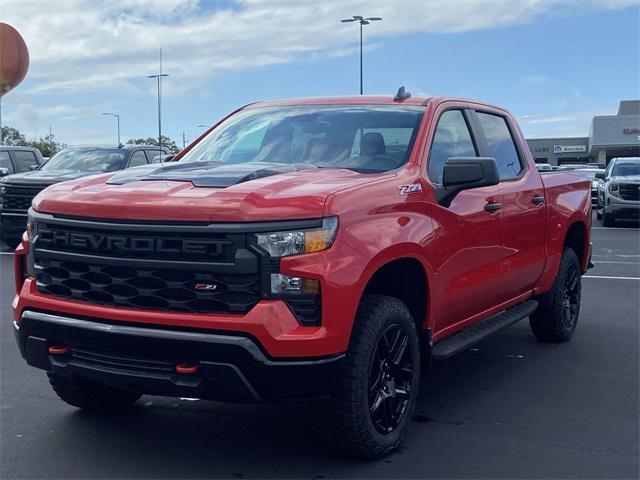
[623,209]
[143,359]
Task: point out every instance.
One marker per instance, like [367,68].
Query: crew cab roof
[418,100]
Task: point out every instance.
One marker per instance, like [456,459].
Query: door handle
[492,207]
[537,200]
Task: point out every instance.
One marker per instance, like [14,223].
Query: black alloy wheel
[390,379]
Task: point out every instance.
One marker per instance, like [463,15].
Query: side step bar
[481,330]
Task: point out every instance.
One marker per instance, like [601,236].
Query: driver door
[467,251]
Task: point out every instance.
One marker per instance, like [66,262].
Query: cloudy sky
[553,63]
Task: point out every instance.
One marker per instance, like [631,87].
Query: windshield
[86,160]
[361,138]
[626,169]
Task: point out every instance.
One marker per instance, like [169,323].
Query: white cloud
[573,124]
[32,116]
[83,45]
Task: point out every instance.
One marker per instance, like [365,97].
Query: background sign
[569,148]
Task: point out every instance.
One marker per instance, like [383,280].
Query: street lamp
[362,21]
[159,78]
[118,121]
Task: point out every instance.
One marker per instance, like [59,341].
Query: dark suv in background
[18,159]
[17,190]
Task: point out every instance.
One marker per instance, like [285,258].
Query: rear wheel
[90,395]
[375,397]
[556,318]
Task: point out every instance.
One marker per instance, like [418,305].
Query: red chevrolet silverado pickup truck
[302,249]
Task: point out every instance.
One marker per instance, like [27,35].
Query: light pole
[159,78]
[362,21]
[118,123]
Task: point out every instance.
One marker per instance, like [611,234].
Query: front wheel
[556,318]
[376,394]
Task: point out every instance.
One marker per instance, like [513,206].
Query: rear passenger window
[5,161]
[501,145]
[137,159]
[452,139]
[23,160]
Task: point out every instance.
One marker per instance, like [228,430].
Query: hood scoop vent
[206,174]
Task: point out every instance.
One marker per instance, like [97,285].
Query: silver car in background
[619,192]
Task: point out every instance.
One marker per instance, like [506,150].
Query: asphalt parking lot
[509,408]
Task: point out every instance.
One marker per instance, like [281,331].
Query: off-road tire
[549,322]
[91,396]
[608,220]
[346,423]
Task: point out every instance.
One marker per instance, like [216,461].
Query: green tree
[47,145]
[166,142]
[12,136]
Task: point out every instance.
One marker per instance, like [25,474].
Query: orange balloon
[14,58]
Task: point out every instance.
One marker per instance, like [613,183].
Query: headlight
[32,228]
[613,187]
[282,244]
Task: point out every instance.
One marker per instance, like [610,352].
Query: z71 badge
[410,188]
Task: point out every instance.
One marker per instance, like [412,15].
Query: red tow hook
[58,349]
[186,368]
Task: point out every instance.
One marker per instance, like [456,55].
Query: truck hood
[39,177]
[203,192]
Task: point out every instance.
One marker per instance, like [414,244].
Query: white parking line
[6,253]
[615,228]
[619,263]
[611,278]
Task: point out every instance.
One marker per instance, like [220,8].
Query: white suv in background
[619,193]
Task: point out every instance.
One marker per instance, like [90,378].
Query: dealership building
[610,136]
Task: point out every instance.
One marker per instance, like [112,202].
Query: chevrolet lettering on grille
[127,243]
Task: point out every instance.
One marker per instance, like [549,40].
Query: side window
[23,160]
[138,158]
[452,139]
[153,153]
[501,145]
[5,161]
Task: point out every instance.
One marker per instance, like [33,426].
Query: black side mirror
[4,172]
[600,175]
[464,173]
[34,167]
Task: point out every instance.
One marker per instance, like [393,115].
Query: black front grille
[19,197]
[168,245]
[630,191]
[148,288]
[174,266]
